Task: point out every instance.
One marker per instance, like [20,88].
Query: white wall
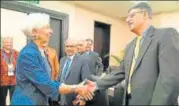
[11,22]
[169,19]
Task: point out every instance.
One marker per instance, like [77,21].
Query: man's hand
[90,87]
[79,102]
[84,91]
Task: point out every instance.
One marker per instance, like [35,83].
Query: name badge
[10,70]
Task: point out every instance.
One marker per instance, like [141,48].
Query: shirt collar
[71,57]
[145,31]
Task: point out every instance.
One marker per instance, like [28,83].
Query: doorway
[102,41]
[55,40]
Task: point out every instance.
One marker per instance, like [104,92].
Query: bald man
[73,70]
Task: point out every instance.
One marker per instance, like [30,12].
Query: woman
[34,84]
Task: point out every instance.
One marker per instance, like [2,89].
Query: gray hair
[5,37]
[89,40]
[143,6]
[35,20]
[71,40]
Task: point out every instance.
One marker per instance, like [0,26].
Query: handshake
[85,90]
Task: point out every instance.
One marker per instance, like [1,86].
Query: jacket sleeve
[113,78]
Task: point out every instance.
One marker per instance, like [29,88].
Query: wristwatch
[73,87]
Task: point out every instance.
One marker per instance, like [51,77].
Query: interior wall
[81,25]
[11,26]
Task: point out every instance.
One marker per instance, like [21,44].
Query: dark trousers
[128,100]
[53,103]
[100,99]
[3,94]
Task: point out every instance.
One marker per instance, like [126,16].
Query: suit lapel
[62,64]
[145,44]
[130,55]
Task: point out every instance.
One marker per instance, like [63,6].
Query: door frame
[103,26]
[26,8]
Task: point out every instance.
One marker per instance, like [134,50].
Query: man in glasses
[150,65]
[74,70]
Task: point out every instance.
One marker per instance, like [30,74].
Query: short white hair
[71,40]
[5,37]
[35,20]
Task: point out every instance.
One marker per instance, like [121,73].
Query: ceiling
[119,9]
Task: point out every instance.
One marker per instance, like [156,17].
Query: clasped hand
[86,90]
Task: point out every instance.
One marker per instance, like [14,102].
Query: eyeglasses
[133,14]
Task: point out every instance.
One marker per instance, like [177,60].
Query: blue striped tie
[66,69]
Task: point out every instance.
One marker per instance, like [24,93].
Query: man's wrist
[74,88]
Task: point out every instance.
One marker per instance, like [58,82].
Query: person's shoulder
[166,30]
[163,33]
[94,53]
[51,49]
[29,50]
[81,58]
[166,35]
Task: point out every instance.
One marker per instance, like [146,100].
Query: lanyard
[8,61]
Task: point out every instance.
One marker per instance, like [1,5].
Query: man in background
[53,60]
[74,70]
[95,61]
[81,47]
[7,72]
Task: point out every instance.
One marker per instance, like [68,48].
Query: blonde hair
[35,20]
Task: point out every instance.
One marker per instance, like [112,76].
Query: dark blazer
[78,71]
[34,85]
[95,63]
[155,79]
[96,68]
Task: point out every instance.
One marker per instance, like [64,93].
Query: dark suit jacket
[155,79]
[96,67]
[79,71]
[95,63]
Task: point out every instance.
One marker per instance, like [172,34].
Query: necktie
[66,69]
[136,53]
